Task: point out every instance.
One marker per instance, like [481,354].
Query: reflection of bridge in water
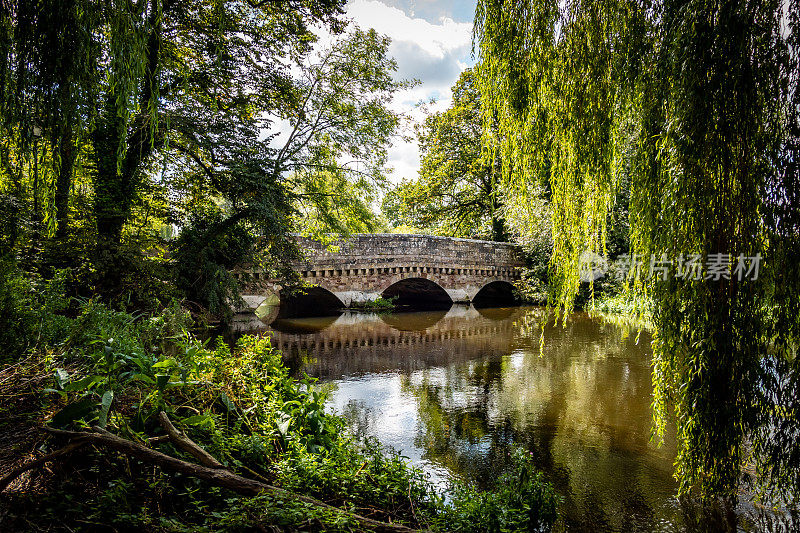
[355,343]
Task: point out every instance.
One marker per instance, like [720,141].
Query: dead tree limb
[186,444]
[221,477]
[14,474]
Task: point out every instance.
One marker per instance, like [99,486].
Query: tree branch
[196,159]
[218,476]
[186,444]
[14,474]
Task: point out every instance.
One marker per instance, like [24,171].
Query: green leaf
[161,381]
[227,401]
[283,424]
[84,384]
[105,405]
[74,411]
[199,420]
[62,377]
[143,377]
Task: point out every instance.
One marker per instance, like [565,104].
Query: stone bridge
[415,270]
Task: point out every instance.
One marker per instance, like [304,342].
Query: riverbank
[128,422]
[623,310]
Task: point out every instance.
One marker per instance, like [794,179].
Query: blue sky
[432,42]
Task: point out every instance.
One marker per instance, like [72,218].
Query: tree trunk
[117,178]
[111,198]
[67,153]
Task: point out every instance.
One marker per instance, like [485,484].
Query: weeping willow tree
[699,103]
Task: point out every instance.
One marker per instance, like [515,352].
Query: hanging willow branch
[697,104]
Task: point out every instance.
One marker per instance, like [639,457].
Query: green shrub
[360,474]
[378,304]
[623,309]
[17,319]
[31,311]
[532,287]
[520,501]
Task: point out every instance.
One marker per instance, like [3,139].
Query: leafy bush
[532,285]
[204,258]
[623,309]
[359,473]
[520,501]
[16,317]
[31,311]
[378,304]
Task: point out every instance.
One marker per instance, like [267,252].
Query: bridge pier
[459,296]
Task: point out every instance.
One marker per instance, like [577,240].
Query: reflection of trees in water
[479,383]
[581,408]
[359,418]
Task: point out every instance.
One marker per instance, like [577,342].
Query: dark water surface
[455,390]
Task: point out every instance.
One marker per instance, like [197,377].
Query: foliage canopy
[126,123]
[457,191]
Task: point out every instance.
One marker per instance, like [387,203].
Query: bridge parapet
[387,249]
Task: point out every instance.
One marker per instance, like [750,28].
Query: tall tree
[711,88]
[217,117]
[333,154]
[47,56]
[457,190]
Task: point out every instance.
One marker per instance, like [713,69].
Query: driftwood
[218,475]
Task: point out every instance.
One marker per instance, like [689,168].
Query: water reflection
[455,391]
[357,344]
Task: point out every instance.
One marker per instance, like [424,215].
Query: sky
[432,42]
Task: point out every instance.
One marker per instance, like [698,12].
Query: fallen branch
[14,474]
[219,476]
[186,444]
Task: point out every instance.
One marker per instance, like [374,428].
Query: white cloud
[437,40]
[435,53]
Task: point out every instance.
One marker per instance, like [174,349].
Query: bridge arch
[495,294]
[308,301]
[418,292]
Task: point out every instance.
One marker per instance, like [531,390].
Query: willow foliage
[699,103]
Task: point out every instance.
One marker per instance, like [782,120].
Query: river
[455,390]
